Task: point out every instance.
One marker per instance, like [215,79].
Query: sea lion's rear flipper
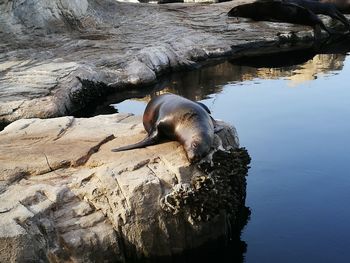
[217,127]
[330,31]
[203,106]
[317,31]
[340,17]
[149,140]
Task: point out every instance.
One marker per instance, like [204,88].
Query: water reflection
[229,249]
[296,67]
[320,64]
[286,66]
[199,84]
[203,83]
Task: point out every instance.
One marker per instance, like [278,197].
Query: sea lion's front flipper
[149,140]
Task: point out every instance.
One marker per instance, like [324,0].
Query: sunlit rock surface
[46,44]
[65,197]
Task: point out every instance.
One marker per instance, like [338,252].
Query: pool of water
[294,121]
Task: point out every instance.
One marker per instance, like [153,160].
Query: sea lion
[278,11]
[321,8]
[173,117]
[342,5]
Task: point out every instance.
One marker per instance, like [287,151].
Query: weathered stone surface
[46,44]
[65,197]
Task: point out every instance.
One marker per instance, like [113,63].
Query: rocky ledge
[65,197]
[46,45]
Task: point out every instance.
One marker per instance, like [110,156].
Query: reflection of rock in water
[320,64]
[197,85]
[201,83]
[297,66]
[227,249]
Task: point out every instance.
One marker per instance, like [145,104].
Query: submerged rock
[64,196]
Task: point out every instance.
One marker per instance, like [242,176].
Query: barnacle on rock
[220,186]
[88,92]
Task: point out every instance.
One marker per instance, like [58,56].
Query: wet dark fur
[342,5]
[176,118]
[320,8]
[278,11]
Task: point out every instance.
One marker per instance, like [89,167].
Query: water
[294,121]
[298,186]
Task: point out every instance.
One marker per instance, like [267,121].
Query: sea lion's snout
[233,12]
[197,151]
[192,157]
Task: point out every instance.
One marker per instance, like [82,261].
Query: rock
[64,196]
[139,73]
[45,45]
[201,1]
[51,16]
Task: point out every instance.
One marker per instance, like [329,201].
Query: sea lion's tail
[149,140]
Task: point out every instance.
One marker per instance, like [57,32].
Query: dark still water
[294,121]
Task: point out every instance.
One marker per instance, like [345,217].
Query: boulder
[64,196]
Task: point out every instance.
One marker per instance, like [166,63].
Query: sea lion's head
[198,147]
[241,11]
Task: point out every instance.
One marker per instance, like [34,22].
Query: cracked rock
[65,197]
